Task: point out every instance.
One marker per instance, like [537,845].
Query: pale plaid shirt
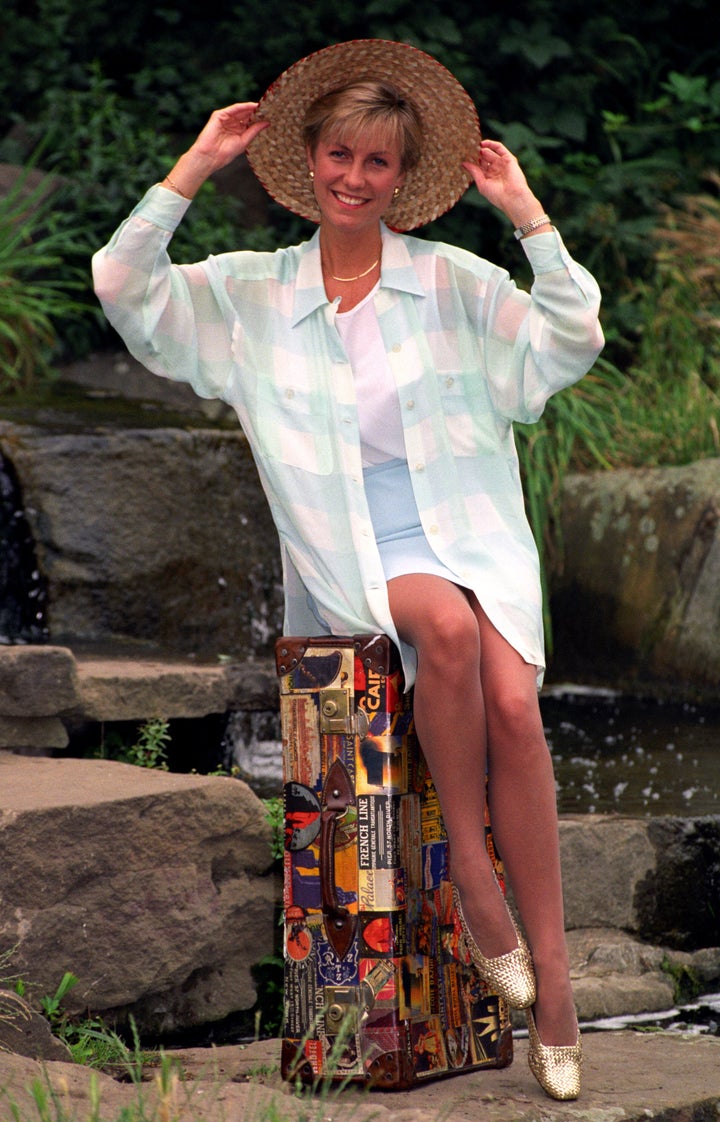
[469,351]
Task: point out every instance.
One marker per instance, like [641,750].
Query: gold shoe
[511,976]
[556,1067]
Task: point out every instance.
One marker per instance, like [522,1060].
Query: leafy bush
[612,111]
[37,291]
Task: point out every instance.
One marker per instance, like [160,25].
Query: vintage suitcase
[377,988]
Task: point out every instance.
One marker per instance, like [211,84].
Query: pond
[630,755]
[611,753]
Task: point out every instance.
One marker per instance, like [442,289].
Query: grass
[665,409]
[33,294]
[167,1096]
[157,1089]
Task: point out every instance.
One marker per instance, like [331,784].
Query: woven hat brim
[451,129]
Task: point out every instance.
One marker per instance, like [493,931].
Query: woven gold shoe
[511,976]
[556,1067]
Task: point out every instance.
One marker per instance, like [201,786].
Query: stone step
[44,687]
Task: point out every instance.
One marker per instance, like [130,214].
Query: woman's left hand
[500,179]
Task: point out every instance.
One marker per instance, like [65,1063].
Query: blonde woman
[377,376]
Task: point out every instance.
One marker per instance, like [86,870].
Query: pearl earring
[311,173]
[396,192]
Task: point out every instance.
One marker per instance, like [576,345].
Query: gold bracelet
[175,188]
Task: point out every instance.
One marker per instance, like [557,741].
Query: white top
[378,404]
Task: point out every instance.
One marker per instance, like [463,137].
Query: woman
[377,377]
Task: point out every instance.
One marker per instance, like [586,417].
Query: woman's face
[355,178]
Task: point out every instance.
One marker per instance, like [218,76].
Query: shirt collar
[397,272]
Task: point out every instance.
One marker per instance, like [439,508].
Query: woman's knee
[513,711]
[442,628]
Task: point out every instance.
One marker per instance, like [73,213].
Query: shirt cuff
[162,207]
[546,252]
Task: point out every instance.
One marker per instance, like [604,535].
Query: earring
[396,192]
[311,173]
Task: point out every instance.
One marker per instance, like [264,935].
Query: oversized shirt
[469,351]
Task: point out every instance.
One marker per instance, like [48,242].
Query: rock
[654,877]
[121,689]
[152,888]
[37,681]
[161,536]
[616,975]
[677,902]
[25,1032]
[627,1077]
[33,736]
[119,375]
[639,593]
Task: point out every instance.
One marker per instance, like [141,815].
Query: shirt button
[449,382]
[433,530]
[289,393]
[397,347]
[420,467]
[410,404]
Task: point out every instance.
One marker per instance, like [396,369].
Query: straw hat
[451,129]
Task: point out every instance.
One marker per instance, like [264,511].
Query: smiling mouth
[349,200]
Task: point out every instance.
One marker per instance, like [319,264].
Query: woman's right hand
[226,136]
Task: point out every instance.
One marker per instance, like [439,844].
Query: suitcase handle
[338,795]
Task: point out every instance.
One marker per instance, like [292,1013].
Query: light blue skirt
[400,537]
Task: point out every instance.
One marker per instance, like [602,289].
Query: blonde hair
[367,106]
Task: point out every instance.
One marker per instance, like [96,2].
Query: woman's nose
[354,173]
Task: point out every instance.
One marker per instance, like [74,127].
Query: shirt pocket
[467,408]
[293,428]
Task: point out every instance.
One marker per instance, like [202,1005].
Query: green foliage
[686,984]
[89,1040]
[612,111]
[275,816]
[148,750]
[268,974]
[35,292]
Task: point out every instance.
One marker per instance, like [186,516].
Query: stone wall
[640,586]
[154,536]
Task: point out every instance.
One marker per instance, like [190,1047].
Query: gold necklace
[359,276]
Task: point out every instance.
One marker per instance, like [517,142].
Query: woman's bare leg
[475,703]
[435,617]
[523,811]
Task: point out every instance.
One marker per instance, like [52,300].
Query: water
[23,593]
[612,754]
[701,1017]
[632,756]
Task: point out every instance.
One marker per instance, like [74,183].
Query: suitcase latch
[334,711]
[342,1014]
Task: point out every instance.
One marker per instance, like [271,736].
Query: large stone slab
[151,887]
[161,536]
[627,1077]
[639,594]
